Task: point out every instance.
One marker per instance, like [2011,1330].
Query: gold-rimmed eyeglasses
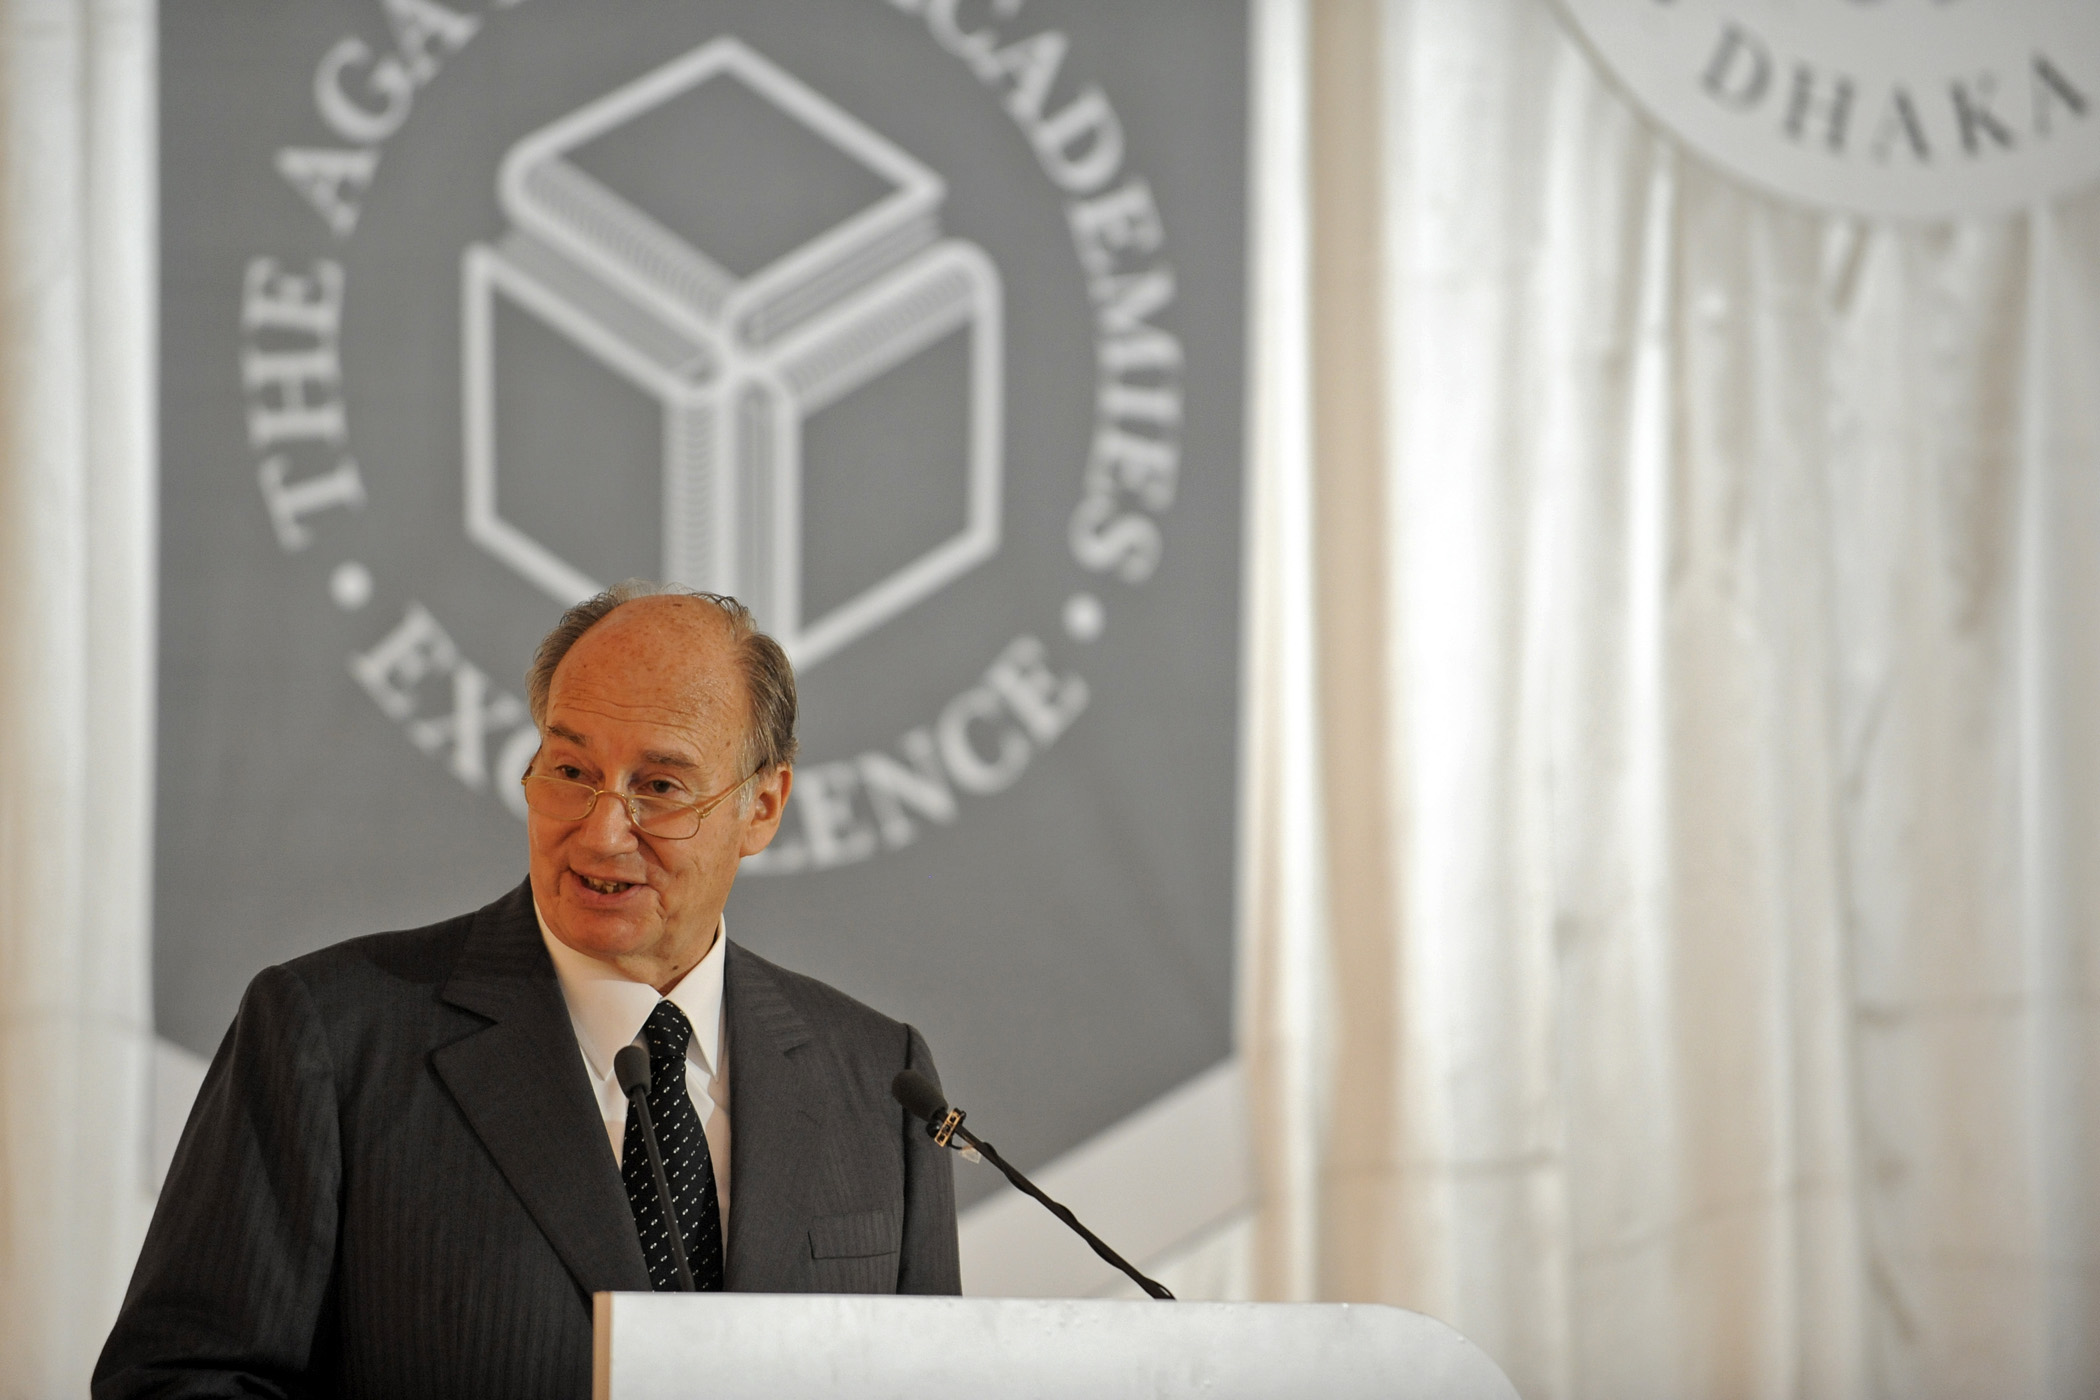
[562,800]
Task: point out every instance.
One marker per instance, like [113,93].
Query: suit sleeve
[229,1296]
[928,1262]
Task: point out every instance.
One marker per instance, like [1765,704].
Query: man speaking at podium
[411,1163]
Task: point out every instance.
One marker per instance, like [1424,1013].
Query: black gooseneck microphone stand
[921,1098]
[631,1068]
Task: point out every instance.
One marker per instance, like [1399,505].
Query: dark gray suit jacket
[396,1182]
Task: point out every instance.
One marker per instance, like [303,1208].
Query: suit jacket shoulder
[822,1007]
[394,1182]
[412,963]
[837,1189]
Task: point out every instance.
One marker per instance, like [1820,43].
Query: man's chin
[601,932]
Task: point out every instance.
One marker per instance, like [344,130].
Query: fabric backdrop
[76,668]
[1705,1000]
[1670,893]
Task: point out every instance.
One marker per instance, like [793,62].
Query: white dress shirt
[608,1012]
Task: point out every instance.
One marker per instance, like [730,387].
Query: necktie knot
[669,1033]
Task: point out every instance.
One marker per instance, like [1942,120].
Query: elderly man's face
[651,700]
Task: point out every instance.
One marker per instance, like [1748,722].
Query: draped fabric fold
[1674,758]
[1732,1027]
[76,658]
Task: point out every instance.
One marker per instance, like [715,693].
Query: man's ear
[769,798]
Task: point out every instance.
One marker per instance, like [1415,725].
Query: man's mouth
[605,886]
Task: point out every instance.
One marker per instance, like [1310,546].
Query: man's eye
[568,771]
[662,787]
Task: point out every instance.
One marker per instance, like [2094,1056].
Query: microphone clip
[940,1132]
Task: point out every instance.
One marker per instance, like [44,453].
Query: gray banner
[917,326]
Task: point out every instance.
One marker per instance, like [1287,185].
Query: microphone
[920,1096]
[922,1099]
[631,1068]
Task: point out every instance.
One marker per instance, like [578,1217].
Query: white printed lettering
[1124,220]
[322,176]
[290,502]
[1045,704]
[273,299]
[1103,539]
[1081,147]
[974,771]
[294,416]
[973,46]
[390,82]
[466,729]
[1033,65]
[415,649]
[836,833]
[892,787]
[301,381]
[416,23]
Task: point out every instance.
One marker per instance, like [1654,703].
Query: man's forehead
[663,758]
[670,652]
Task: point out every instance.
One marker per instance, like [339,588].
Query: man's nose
[609,825]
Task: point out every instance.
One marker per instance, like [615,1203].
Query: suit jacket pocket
[858,1235]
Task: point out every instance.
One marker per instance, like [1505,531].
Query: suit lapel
[520,1081]
[776,1120]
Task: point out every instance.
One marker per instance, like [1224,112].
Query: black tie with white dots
[687,1165]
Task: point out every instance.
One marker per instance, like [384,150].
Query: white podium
[748,1346]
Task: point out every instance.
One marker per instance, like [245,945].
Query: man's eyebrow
[662,758]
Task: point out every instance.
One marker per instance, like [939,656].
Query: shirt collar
[608,1010]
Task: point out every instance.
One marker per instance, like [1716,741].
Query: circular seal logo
[748,329]
[1916,108]
[917,325]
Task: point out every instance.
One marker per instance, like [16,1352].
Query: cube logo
[716,269]
[919,327]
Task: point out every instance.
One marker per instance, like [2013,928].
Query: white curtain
[1674,757]
[1705,1002]
[76,767]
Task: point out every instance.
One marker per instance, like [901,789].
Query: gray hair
[769,736]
